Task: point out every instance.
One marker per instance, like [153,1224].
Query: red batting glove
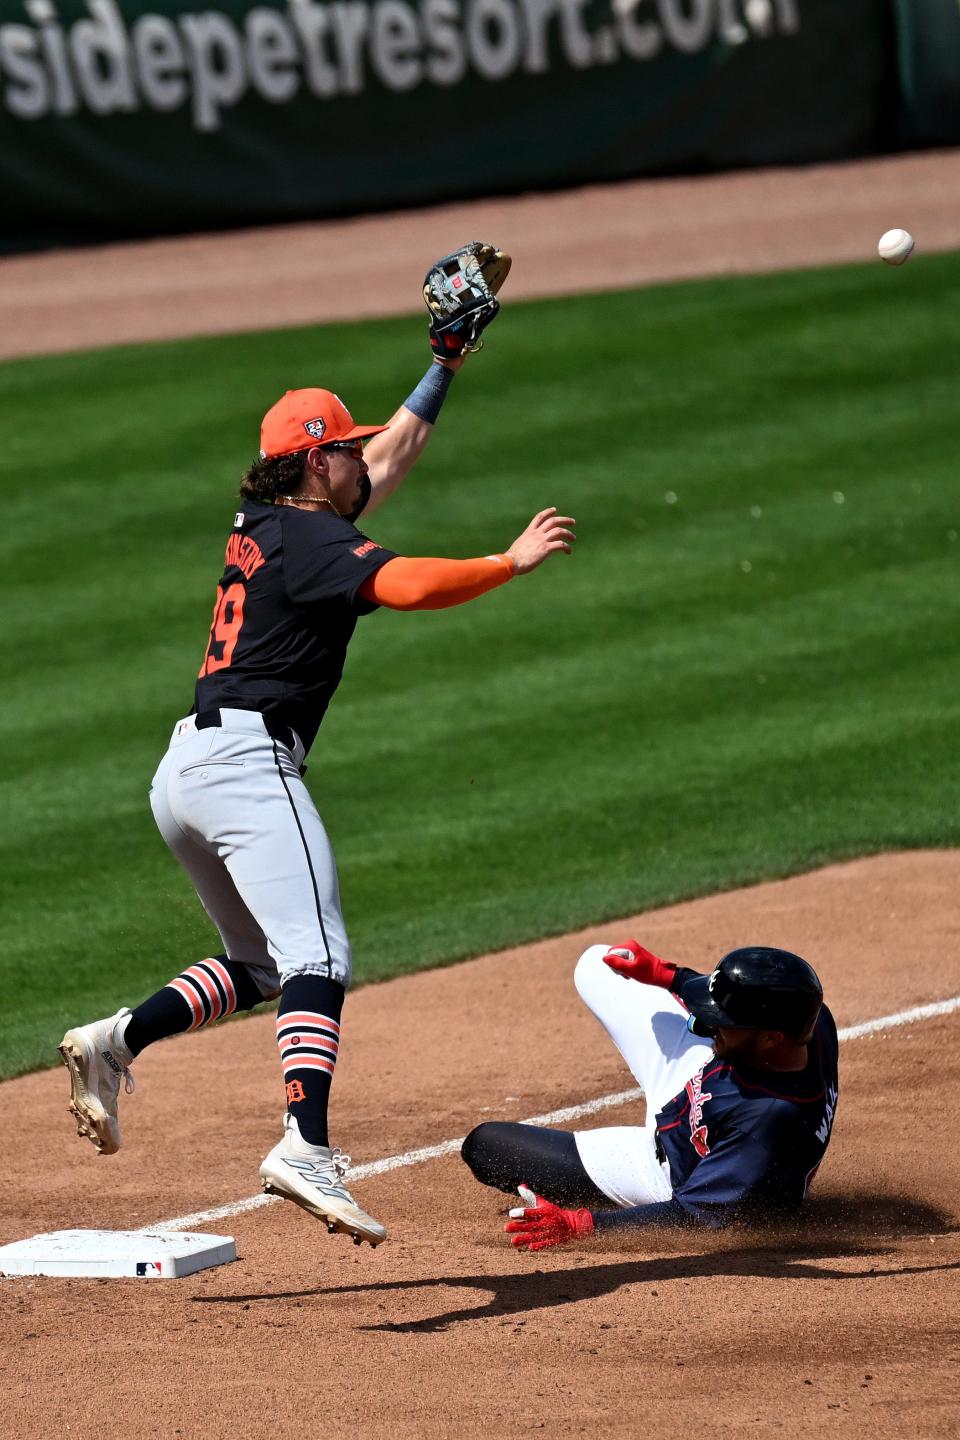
[629,958]
[540,1224]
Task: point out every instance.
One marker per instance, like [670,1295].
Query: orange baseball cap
[308,417]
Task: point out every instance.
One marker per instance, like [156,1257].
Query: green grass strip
[748,668]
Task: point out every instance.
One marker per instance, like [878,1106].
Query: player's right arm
[738,1178]
[539,1224]
[420,583]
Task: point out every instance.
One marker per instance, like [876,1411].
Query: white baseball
[895,246]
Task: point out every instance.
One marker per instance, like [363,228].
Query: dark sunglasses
[353,447]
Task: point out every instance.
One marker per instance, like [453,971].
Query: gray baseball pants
[232,806]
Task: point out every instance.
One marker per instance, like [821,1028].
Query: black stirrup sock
[308,1034]
[210,990]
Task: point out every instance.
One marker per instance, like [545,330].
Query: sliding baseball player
[739,1070]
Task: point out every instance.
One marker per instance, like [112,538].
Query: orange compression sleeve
[417,583]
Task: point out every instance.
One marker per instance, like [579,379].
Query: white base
[134,1254]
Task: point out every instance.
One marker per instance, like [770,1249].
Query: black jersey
[286,608]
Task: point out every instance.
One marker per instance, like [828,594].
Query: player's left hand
[539,1224]
[460,292]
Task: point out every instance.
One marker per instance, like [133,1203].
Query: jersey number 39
[225,628]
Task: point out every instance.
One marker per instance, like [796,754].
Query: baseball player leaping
[739,1070]
[229,796]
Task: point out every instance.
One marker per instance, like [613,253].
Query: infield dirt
[844,1325]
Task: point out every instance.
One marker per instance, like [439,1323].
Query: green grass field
[748,668]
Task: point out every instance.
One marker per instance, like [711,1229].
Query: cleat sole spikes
[312,1178]
[335,1226]
[96,1073]
[86,1119]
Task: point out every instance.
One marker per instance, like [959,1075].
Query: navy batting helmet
[756,988]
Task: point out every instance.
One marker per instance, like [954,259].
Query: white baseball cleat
[312,1177]
[97,1060]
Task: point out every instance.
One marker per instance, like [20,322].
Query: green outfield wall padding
[928,47]
[140,116]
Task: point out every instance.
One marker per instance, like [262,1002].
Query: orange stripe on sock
[228,986]
[306,1017]
[209,989]
[307,1062]
[192,999]
[289,1051]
